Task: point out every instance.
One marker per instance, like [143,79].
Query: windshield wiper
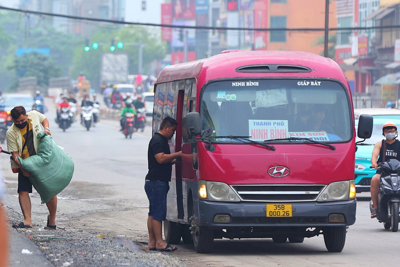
[247,138]
[364,144]
[304,139]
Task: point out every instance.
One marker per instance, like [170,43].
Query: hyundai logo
[278,171]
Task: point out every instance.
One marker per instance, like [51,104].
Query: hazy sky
[10,3]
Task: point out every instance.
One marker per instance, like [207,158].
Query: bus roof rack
[273,68]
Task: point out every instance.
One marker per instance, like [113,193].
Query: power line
[194,27]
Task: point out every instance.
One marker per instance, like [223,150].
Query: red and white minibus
[268,148]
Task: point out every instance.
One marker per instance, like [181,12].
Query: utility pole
[185,44]
[140,61]
[326,28]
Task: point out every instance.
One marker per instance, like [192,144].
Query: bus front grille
[280,193]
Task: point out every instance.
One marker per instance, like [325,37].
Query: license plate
[279,210]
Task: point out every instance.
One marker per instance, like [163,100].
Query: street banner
[166,18]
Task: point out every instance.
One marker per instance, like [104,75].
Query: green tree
[90,62]
[36,65]
[319,41]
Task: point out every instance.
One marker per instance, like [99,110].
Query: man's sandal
[374,213]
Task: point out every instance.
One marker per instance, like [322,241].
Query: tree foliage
[90,62]
[331,46]
[35,65]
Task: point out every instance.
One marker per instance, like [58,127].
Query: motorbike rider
[107,93]
[71,98]
[138,105]
[38,96]
[128,109]
[116,97]
[391,147]
[63,104]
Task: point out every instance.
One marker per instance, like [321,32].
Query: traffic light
[87,47]
[112,47]
[181,35]
[120,45]
[95,45]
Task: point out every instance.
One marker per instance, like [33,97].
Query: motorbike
[129,125]
[73,111]
[96,113]
[3,130]
[65,119]
[39,106]
[87,117]
[389,195]
[140,122]
[117,105]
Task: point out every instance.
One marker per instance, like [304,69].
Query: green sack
[51,169]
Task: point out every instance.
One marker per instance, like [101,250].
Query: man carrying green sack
[22,142]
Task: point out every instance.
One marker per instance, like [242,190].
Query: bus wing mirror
[365,124]
[193,123]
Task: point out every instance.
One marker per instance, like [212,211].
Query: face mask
[22,125]
[390,136]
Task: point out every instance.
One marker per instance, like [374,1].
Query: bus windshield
[270,110]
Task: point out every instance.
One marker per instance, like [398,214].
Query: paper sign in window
[260,130]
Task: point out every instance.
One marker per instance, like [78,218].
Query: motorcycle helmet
[389,125]
[2,107]
[139,96]
[129,102]
[37,92]
[128,94]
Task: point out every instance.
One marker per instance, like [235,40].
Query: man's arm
[375,154]
[166,158]
[45,124]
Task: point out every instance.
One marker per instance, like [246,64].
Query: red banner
[362,45]
[166,18]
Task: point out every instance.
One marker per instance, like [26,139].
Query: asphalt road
[106,197]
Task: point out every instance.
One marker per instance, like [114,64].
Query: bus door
[178,147]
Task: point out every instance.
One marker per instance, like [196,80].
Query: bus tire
[172,232]
[203,237]
[335,238]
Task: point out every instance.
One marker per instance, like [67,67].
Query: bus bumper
[250,214]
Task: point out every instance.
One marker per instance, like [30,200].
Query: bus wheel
[172,232]
[186,235]
[203,237]
[335,238]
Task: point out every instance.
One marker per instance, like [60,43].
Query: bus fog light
[222,218]
[336,218]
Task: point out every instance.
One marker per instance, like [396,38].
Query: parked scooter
[96,113]
[389,194]
[129,125]
[65,119]
[140,121]
[87,117]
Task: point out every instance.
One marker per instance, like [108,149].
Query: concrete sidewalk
[18,242]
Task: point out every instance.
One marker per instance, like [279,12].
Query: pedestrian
[160,161]
[22,142]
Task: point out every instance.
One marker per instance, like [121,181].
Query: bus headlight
[217,191]
[338,191]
